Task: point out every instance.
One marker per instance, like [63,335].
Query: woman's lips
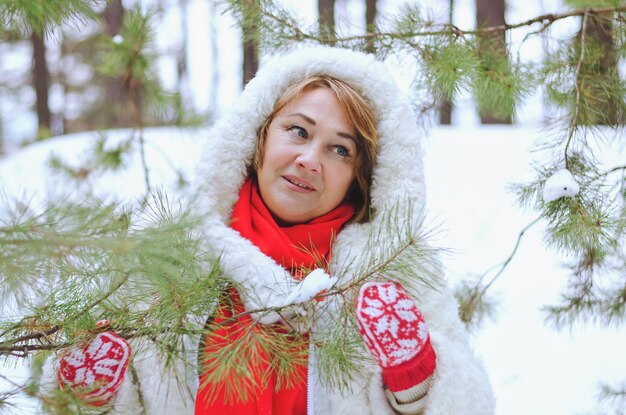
[298,184]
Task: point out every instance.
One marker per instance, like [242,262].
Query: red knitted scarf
[297,248]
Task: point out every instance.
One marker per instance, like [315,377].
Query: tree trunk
[599,72]
[250,42]
[250,60]
[491,13]
[370,21]
[445,105]
[326,13]
[181,62]
[117,114]
[445,112]
[40,79]
[113,17]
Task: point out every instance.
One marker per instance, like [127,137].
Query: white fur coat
[461,385]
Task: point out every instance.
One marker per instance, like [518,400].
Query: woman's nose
[309,159]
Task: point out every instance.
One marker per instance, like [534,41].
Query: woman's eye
[342,151]
[299,131]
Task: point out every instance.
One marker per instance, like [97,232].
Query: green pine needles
[449,60]
[141,267]
[589,229]
[74,264]
[40,16]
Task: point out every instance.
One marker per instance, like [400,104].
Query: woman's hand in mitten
[95,372]
[395,333]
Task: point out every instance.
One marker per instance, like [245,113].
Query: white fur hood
[399,162]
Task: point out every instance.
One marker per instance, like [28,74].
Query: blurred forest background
[70,66]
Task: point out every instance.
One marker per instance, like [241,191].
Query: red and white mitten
[95,372]
[395,333]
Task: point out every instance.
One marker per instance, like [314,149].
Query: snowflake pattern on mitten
[391,325]
[95,372]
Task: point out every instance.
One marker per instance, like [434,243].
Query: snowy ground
[534,369]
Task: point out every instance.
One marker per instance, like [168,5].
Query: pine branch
[134,87]
[508,260]
[589,297]
[26,350]
[612,170]
[137,383]
[128,58]
[583,304]
[32,336]
[590,227]
[472,302]
[134,274]
[340,353]
[549,19]
[16,344]
[616,394]
[246,355]
[339,350]
[28,391]
[378,269]
[30,16]
[142,152]
[546,20]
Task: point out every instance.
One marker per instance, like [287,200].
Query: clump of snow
[313,284]
[560,184]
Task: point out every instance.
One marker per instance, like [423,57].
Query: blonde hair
[360,115]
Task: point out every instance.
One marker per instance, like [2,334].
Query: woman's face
[309,158]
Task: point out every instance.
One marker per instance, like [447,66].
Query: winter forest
[104,104]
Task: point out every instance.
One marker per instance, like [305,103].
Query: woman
[319,166]
[289,181]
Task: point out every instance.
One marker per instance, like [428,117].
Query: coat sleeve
[410,408]
[461,384]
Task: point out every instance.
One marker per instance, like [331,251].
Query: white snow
[312,285]
[560,184]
